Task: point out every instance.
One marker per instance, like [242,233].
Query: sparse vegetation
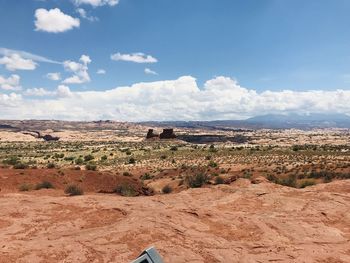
[125,190]
[198,180]
[44,185]
[167,189]
[73,190]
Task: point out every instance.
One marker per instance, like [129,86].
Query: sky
[140,60]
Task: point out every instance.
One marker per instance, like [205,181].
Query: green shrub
[50,165]
[196,181]
[104,158]
[212,164]
[59,155]
[127,174]
[24,187]
[91,167]
[307,183]
[219,180]
[167,189]
[44,185]
[88,157]
[73,190]
[79,161]
[125,190]
[132,160]
[20,166]
[146,176]
[173,148]
[290,181]
[13,160]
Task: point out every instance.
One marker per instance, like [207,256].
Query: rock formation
[167,134]
[151,134]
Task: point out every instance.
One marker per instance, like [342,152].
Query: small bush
[132,160]
[73,190]
[104,158]
[197,180]
[50,165]
[24,187]
[20,166]
[44,185]
[125,190]
[88,157]
[13,160]
[59,155]
[127,174]
[307,183]
[173,148]
[212,164]
[167,189]
[219,180]
[290,181]
[146,176]
[79,161]
[91,167]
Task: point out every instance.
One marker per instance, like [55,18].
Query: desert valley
[104,191]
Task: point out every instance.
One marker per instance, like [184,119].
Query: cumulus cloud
[180,99]
[10,83]
[101,71]
[16,62]
[79,70]
[134,57]
[150,72]
[96,3]
[8,102]
[54,21]
[82,12]
[62,91]
[54,76]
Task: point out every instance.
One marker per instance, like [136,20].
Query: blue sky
[266,45]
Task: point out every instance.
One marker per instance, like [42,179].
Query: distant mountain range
[270,121]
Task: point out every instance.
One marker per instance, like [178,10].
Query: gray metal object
[150,255]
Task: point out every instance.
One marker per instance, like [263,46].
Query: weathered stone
[167,134]
[151,134]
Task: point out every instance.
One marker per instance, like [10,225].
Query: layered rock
[167,134]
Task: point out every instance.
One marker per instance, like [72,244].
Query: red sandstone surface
[241,222]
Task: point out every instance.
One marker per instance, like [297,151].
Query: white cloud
[54,76]
[54,21]
[26,55]
[62,91]
[84,15]
[180,99]
[150,72]
[80,70]
[96,3]
[134,57]
[16,62]
[10,83]
[8,102]
[101,71]
[38,92]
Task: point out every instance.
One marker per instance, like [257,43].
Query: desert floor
[240,222]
